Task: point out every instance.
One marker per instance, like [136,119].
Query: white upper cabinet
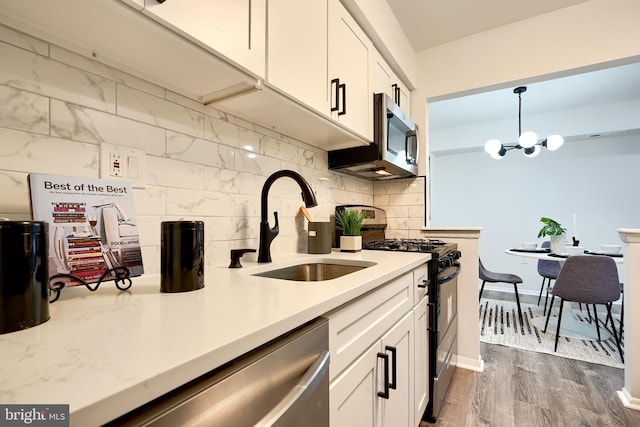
[381,75]
[234,29]
[116,33]
[349,55]
[297,46]
[402,96]
[384,80]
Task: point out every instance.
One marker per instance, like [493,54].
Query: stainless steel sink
[316,271]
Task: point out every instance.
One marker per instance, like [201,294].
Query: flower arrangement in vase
[349,221]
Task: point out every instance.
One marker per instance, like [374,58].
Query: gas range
[445,253]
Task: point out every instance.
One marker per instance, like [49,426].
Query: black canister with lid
[24,274]
[182,256]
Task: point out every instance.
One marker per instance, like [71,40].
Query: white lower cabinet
[421,358]
[360,397]
[397,409]
[353,395]
[373,369]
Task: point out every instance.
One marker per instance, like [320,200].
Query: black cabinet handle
[339,88]
[394,89]
[424,284]
[393,384]
[398,95]
[336,82]
[385,358]
[160,1]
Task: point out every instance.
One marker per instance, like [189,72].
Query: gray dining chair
[493,277]
[589,279]
[621,323]
[549,271]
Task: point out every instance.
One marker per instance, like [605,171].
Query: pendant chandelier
[527,141]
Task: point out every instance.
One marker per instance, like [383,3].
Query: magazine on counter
[92,225]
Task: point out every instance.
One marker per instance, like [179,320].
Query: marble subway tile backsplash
[24,110]
[403,202]
[23,69]
[56,107]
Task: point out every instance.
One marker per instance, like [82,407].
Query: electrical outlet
[115,164]
[120,162]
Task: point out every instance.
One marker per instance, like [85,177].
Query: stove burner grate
[404,245]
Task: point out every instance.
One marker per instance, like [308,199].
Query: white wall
[591,35]
[594,179]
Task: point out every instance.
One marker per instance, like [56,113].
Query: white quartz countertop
[107,352]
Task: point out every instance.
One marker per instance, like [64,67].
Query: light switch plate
[126,163]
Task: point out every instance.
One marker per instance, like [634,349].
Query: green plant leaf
[349,221]
[551,227]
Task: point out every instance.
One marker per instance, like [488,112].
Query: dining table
[571,326]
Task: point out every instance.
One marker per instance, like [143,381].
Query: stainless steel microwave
[393,152]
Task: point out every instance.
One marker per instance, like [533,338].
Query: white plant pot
[350,243]
[558,244]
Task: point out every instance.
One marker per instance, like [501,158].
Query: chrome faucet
[268,234]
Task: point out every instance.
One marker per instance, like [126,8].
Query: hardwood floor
[524,388]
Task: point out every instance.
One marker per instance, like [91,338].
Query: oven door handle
[448,275]
[431,327]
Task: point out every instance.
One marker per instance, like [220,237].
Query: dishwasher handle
[308,383]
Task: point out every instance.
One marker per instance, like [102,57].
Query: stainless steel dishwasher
[284,383]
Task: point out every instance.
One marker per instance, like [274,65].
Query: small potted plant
[556,234]
[349,221]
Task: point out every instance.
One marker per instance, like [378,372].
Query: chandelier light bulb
[492,146]
[532,151]
[528,139]
[554,142]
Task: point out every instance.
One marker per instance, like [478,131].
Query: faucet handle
[236,254]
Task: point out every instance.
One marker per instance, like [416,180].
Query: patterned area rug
[497,326]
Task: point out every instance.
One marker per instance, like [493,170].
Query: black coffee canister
[182,256]
[24,274]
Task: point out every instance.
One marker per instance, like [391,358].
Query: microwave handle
[411,153]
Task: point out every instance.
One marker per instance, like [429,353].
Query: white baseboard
[476,365]
[629,401]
